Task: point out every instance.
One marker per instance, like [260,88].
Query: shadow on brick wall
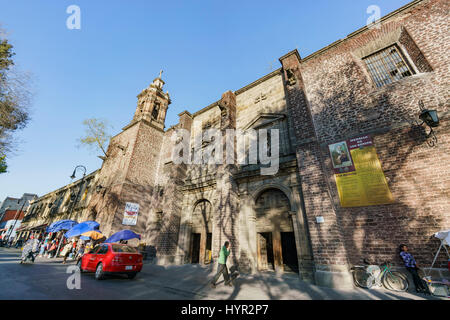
[414,168]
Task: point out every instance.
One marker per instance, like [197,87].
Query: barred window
[387,66]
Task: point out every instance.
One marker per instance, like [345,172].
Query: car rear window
[123,248]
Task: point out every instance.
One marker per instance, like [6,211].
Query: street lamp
[75,170]
[81,185]
[76,199]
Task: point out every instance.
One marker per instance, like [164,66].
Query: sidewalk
[193,280]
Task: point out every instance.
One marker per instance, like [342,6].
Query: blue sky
[204,47]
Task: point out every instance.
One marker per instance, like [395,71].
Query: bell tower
[130,171]
[153,103]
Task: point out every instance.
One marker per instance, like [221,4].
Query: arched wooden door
[201,234]
[275,232]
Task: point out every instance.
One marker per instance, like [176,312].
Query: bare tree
[96,134]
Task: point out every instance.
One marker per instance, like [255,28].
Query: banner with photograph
[131,214]
[359,177]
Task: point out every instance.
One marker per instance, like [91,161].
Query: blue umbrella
[61,225]
[82,228]
[122,235]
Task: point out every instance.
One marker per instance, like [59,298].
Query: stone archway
[201,233]
[275,234]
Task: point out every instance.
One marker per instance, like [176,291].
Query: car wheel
[132,275]
[79,266]
[99,274]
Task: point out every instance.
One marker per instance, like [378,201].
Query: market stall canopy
[61,225]
[123,235]
[82,228]
[444,236]
[94,235]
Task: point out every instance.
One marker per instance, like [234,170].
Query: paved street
[46,279]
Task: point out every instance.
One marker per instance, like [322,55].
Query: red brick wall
[12,215]
[345,103]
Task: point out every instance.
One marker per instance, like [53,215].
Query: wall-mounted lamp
[429,117]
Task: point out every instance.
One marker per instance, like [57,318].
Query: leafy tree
[14,100]
[6,55]
[3,165]
[96,135]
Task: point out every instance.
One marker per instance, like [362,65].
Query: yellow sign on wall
[359,177]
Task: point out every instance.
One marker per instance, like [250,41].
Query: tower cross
[160,73]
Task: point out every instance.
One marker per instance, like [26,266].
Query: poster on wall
[359,177]
[131,214]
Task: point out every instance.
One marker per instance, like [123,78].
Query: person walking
[411,266]
[222,266]
[42,250]
[30,249]
[66,251]
[80,251]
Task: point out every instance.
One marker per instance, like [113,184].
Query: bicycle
[368,275]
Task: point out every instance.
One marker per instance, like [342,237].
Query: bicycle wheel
[395,281]
[363,279]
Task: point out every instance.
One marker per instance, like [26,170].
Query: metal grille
[387,66]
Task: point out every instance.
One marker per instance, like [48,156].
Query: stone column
[248,256]
[184,236]
[327,241]
[304,258]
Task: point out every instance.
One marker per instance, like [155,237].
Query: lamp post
[81,185]
[76,199]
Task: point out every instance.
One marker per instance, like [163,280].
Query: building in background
[358,171]
[68,202]
[10,223]
[12,212]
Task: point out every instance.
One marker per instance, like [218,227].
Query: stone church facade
[187,211]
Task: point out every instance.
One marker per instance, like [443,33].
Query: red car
[111,258]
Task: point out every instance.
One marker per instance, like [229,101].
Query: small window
[387,66]
[95,250]
[103,249]
[155,111]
